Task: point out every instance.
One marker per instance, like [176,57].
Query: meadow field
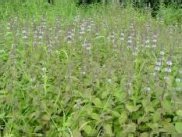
[96,71]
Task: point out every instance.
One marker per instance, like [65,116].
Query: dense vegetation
[96,71]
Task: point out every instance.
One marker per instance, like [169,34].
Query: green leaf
[178,127]
[76,133]
[115,114]
[169,127]
[95,116]
[97,102]
[108,130]
[143,119]
[89,131]
[132,108]
[145,134]
[179,113]
[45,117]
[123,118]
[153,126]
[166,104]
[130,135]
[130,127]
[156,116]
[2,115]
[148,107]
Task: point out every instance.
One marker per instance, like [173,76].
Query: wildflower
[41,32]
[24,32]
[130,37]
[162,53]
[154,45]
[178,89]
[169,63]
[147,41]
[112,36]
[147,89]
[56,37]
[168,70]
[35,36]
[34,43]
[178,80]
[147,45]
[83,72]
[154,74]
[40,36]
[40,42]
[78,104]
[157,68]
[180,71]
[82,31]
[129,84]
[122,36]
[109,80]
[87,45]
[158,63]
[25,37]
[8,26]
[44,69]
[132,26]
[166,78]
[134,53]
[69,39]
[129,41]
[154,41]
[89,28]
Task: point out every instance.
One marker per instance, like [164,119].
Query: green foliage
[59,77]
[171,15]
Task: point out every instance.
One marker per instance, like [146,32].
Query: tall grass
[99,71]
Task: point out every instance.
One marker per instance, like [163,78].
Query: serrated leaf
[178,127]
